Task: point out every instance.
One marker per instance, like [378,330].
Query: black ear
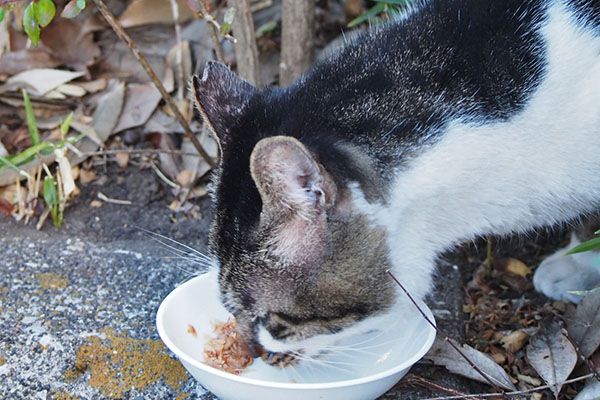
[221,96]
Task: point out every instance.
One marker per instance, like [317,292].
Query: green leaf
[72,9]
[44,12]
[31,124]
[81,4]
[64,127]
[2,12]
[229,16]
[30,25]
[591,244]
[372,12]
[7,163]
[50,191]
[225,28]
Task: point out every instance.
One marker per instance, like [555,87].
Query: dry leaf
[144,12]
[86,176]
[39,81]
[443,354]
[122,159]
[68,183]
[552,355]
[184,178]
[16,61]
[69,44]
[584,324]
[517,267]
[71,90]
[93,86]
[515,341]
[140,103]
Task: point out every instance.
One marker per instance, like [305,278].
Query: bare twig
[297,39]
[107,199]
[516,393]
[163,177]
[214,30]
[246,51]
[110,18]
[446,338]
[417,380]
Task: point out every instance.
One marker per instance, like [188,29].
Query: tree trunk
[246,50]
[297,39]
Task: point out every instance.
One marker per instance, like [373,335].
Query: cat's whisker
[156,236]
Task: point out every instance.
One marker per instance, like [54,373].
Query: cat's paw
[558,275]
[279,360]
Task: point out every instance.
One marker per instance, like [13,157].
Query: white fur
[559,275]
[538,168]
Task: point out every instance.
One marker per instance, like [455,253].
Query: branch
[214,28]
[447,339]
[110,18]
[520,392]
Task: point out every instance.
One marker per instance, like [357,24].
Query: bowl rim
[182,355]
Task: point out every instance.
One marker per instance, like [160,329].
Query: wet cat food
[226,352]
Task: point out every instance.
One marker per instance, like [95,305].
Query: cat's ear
[220,96]
[289,179]
[296,192]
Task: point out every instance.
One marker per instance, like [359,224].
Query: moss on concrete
[119,363]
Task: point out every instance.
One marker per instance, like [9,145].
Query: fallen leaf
[39,81]
[71,90]
[6,207]
[515,341]
[122,159]
[15,61]
[68,183]
[140,103]
[584,324]
[86,176]
[517,267]
[69,44]
[185,177]
[552,355]
[443,354]
[512,272]
[93,86]
[144,12]
[591,391]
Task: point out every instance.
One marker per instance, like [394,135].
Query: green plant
[39,13]
[51,189]
[388,7]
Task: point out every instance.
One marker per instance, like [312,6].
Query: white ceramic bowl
[365,368]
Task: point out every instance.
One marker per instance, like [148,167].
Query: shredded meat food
[226,352]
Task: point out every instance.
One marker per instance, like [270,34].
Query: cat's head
[298,263]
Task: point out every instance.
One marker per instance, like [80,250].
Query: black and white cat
[461,118]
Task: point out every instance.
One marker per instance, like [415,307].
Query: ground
[78,304]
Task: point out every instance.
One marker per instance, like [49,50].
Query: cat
[460,118]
